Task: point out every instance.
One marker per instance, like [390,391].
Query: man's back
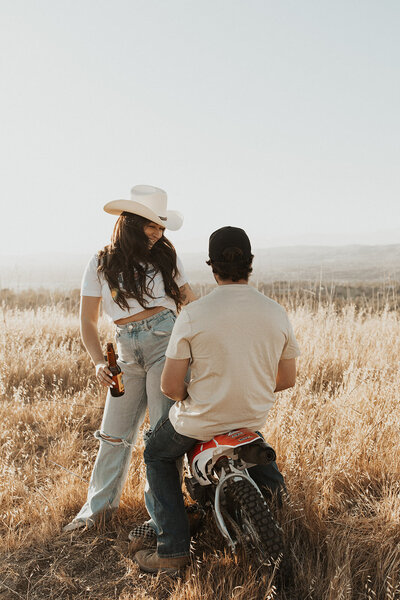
[235,337]
[236,340]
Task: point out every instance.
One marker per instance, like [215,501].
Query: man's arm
[173,383]
[286,377]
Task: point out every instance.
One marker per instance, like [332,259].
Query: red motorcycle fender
[232,439]
[198,448]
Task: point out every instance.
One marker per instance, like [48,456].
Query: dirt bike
[220,480]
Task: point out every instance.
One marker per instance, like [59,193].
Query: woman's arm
[187,294]
[89,316]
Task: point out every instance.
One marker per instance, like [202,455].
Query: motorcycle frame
[219,519]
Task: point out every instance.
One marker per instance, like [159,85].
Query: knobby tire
[261,536]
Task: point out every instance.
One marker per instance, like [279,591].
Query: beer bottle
[118,388]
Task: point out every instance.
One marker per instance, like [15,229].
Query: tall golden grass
[337,440]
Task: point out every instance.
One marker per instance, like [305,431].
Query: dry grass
[336,436]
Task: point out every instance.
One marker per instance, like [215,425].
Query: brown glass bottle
[118,388]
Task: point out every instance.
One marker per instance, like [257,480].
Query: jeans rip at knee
[112,440]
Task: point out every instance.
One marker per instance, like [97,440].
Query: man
[241,349]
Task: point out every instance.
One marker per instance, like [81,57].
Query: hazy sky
[280,117]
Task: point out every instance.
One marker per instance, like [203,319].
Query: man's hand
[286,377]
[173,383]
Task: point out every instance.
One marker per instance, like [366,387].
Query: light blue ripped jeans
[141,350]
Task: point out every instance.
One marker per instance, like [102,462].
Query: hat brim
[173,219]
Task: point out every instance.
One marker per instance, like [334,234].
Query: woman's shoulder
[91,269]
[181,275]
[93,261]
[91,280]
[178,261]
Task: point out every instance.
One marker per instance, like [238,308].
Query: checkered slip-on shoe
[143,533]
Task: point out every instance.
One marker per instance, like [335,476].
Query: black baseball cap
[228,237]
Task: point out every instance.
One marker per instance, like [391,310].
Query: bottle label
[119,382]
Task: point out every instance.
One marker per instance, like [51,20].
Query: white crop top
[94,284]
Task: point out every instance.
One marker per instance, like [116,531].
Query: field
[336,435]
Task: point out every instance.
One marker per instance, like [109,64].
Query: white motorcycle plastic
[219,478]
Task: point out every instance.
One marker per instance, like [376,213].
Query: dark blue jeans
[163,447]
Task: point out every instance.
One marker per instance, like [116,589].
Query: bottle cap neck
[111,358]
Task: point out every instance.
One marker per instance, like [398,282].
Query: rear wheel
[252,523]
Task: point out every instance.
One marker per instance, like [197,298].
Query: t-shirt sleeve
[179,342]
[180,277]
[91,285]
[291,348]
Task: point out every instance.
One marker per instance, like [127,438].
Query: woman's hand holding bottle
[104,375]
[118,388]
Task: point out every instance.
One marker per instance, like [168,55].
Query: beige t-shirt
[235,337]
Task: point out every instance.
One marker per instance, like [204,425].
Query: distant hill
[354,263]
[340,263]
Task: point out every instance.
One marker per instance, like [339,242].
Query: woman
[142,285]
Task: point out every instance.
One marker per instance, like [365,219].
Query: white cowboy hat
[149,202]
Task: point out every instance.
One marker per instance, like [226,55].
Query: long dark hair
[126,261]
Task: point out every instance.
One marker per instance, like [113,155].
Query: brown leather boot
[149,561]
